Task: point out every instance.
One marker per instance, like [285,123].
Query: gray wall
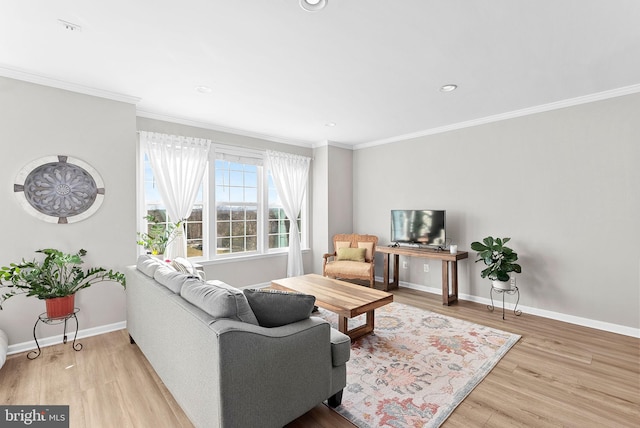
[564,185]
[38,121]
[332,199]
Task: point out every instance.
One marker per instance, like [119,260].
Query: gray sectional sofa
[205,342]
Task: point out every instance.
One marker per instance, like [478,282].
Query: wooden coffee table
[343,298]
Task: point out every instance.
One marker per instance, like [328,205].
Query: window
[237,207]
[245,211]
[154,207]
[278,221]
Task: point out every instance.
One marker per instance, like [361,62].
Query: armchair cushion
[353,254]
[342,244]
[275,308]
[348,269]
[368,246]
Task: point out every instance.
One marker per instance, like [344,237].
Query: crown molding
[14,73]
[599,96]
[214,127]
[326,143]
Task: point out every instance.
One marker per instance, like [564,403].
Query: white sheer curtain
[290,175]
[178,165]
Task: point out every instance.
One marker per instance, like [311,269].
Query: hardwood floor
[558,374]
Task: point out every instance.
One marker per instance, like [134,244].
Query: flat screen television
[421,227]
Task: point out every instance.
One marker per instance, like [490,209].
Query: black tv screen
[422,227]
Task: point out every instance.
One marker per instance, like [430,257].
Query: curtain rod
[225,145]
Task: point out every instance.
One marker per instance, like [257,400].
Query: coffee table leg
[343,325]
[363,330]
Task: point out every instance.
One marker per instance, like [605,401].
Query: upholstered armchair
[353,257]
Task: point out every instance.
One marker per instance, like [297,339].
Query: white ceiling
[373,67]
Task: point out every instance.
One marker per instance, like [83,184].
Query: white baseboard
[586,322]
[571,319]
[55,340]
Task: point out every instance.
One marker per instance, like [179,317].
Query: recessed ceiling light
[448,88]
[69,25]
[330,124]
[203,89]
[313,5]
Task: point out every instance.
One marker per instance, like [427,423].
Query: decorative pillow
[274,308]
[219,300]
[352,254]
[369,247]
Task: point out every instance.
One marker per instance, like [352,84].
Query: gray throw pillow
[274,308]
[219,300]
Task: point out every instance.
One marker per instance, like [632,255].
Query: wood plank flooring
[558,374]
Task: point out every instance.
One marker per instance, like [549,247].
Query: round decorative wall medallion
[59,189]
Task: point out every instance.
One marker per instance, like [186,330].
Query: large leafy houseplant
[156,239]
[58,275]
[499,259]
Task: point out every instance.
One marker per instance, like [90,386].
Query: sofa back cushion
[170,278]
[218,299]
[148,265]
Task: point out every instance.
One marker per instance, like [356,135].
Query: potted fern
[56,279]
[499,259]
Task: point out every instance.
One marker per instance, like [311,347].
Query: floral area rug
[416,367]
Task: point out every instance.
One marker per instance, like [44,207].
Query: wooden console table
[447,258]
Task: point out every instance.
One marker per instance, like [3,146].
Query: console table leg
[396,271]
[445,283]
[385,273]
[454,279]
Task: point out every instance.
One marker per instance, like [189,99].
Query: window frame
[209,217]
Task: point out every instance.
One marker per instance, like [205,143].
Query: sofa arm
[340,348]
[286,368]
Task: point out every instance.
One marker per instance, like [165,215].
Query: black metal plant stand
[511,292]
[43,318]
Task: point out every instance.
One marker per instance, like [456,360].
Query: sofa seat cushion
[274,308]
[340,348]
[347,268]
[218,299]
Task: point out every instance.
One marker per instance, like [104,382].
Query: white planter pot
[501,285]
